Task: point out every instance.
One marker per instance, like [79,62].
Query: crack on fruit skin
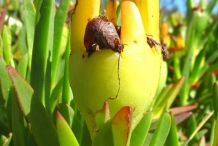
[152,43]
[118,76]
[99,34]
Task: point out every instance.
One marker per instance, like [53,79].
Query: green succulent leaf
[215,140]
[29,21]
[103,135]
[168,96]
[67,112]
[198,127]
[211,6]
[18,124]
[5,81]
[4,124]
[5,99]
[215,104]
[86,139]
[215,99]
[78,128]
[38,121]
[161,97]
[65,134]
[162,130]
[59,20]
[56,94]
[66,96]
[140,132]
[43,42]
[8,140]
[172,138]
[23,65]
[6,38]
[121,126]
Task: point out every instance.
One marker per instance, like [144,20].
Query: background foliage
[35,93]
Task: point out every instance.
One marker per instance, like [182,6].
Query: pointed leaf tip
[11,71]
[65,135]
[103,115]
[58,115]
[124,114]
[38,121]
[121,126]
[179,110]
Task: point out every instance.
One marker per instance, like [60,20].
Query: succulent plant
[128,78]
[122,93]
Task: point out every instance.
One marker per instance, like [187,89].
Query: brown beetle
[165,53]
[152,43]
[99,34]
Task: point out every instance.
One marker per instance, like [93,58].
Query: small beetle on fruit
[152,43]
[99,34]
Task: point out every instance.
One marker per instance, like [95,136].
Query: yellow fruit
[94,79]
[149,11]
[111,11]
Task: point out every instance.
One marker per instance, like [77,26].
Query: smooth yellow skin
[111,11]
[150,15]
[94,79]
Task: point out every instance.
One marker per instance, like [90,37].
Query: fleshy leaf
[18,128]
[29,21]
[65,134]
[43,41]
[103,135]
[8,140]
[140,132]
[67,112]
[215,104]
[178,120]
[121,126]
[66,85]
[215,141]
[199,126]
[172,138]
[38,121]
[215,99]
[192,125]
[102,116]
[23,65]
[5,97]
[169,97]
[4,80]
[86,139]
[6,38]
[2,20]
[162,131]
[59,20]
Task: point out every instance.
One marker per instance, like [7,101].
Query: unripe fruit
[95,78]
